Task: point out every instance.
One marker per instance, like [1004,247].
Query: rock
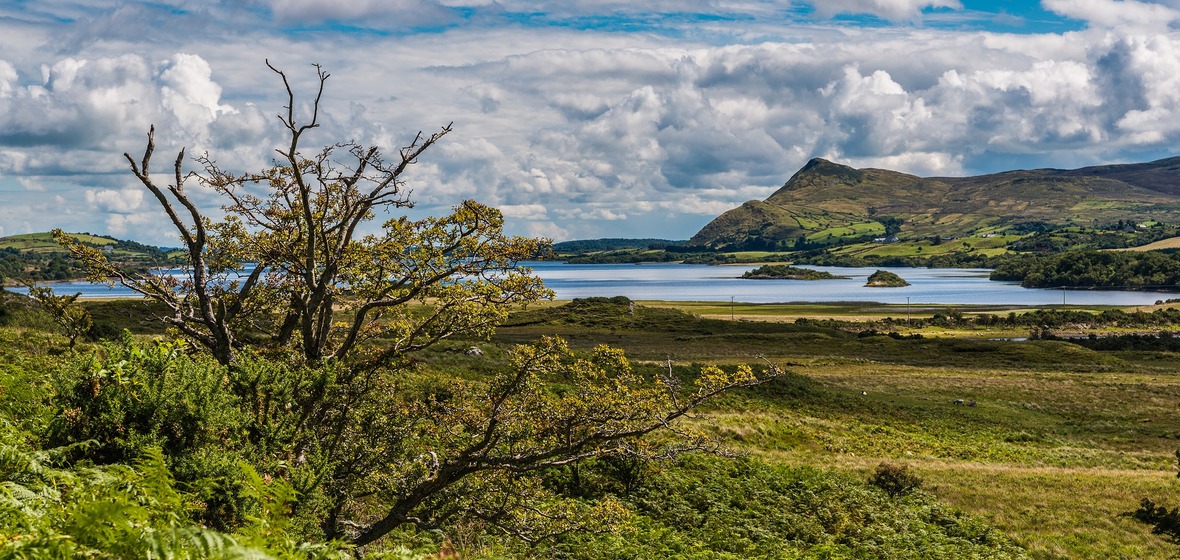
[474,351]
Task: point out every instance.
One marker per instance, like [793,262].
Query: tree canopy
[1147,270]
[291,239]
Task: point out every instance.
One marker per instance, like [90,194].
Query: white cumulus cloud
[189,92]
[524,211]
[120,202]
[1116,13]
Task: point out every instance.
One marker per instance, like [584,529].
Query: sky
[577,118]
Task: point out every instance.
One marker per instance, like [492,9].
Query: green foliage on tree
[73,319]
[288,265]
[1148,270]
[957,259]
[780,271]
[885,279]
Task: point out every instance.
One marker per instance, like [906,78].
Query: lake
[686,282]
[682,282]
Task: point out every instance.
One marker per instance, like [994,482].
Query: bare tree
[298,244]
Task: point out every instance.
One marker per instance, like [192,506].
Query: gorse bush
[1163,521]
[895,480]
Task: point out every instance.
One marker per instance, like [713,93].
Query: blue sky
[578,118]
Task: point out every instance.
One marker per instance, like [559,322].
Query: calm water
[681,282]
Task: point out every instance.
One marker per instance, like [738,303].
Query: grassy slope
[44,243]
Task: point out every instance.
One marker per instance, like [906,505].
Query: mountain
[826,203]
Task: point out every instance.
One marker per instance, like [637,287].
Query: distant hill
[609,244]
[826,203]
[37,257]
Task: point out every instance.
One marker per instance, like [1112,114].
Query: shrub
[896,480]
[1164,521]
[127,399]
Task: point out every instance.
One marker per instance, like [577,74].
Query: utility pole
[731,308]
[907,310]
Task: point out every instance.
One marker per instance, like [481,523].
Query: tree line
[1129,270]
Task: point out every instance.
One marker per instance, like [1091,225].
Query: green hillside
[826,203]
[33,257]
[44,243]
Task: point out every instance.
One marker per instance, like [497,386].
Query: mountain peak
[822,165]
[820,172]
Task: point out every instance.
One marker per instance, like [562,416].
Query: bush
[1164,521]
[128,399]
[895,480]
[138,397]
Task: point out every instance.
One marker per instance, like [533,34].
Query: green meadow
[1050,443]
[1035,448]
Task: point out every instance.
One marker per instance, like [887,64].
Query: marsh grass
[1059,513]
[1052,443]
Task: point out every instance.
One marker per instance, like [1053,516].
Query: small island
[885,279]
[785,272]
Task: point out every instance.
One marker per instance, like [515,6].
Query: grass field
[1170,243]
[1048,442]
[44,243]
[844,311]
[1052,443]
